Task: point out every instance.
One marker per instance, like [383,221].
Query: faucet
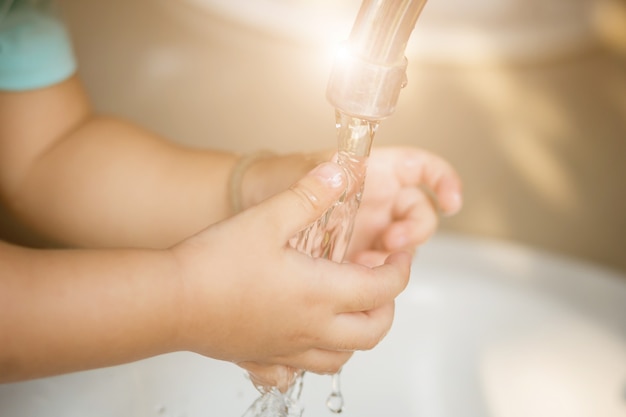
[370,69]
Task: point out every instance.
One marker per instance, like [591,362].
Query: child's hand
[405,190]
[251,299]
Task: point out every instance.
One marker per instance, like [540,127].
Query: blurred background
[527,99]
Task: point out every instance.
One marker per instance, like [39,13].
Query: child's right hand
[249,298]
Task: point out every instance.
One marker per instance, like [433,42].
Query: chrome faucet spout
[371,70]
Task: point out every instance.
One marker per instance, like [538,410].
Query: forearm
[92,181]
[85,180]
[109,183]
[85,309]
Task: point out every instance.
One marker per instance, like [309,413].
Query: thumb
[306,200]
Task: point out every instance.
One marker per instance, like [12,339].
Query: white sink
[485,329]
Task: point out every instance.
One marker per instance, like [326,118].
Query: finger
[320,361]
[361,289]
[375,257]
[425,168]
[304,202]
[449,196]
[370,258]
[417,220]
[362,330]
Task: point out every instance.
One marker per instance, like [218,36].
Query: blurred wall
[541,146]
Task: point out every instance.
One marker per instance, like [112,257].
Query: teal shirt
[35,48]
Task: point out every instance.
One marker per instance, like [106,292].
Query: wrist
[238,199]
[272,174]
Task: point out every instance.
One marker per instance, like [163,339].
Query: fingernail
[450,197]
[330,173]
[455,203]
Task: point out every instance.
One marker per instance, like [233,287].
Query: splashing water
[327,238]
[273,403]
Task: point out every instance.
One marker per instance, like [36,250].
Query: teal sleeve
[35,49]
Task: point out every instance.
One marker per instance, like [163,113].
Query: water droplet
[335,402]
[335,399]
[405,81]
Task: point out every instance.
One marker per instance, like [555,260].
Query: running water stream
[327,238]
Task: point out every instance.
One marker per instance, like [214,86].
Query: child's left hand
[405,191]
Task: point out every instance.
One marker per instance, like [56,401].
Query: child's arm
[91,180]
[233,292]
[70,310]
